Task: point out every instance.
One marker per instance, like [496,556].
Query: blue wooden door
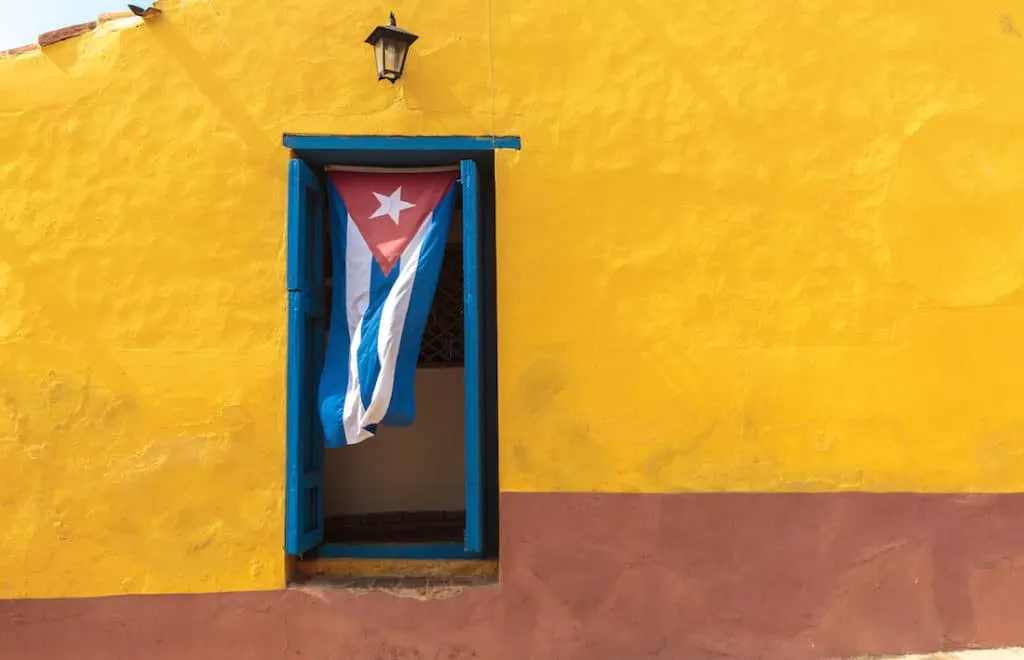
[473,367]
[304,520]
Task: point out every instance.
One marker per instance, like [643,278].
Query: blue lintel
[453,143]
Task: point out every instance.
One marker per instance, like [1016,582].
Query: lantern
[390,46]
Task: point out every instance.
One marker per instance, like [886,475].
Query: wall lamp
[390,46]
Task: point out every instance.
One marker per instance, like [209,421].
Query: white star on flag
[391,205]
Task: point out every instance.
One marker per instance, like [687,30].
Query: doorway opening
[426,491]
[407,484]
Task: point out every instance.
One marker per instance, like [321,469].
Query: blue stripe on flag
[367,356]
[402,408]
[334,382]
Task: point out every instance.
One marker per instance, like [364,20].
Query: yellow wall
[747,245]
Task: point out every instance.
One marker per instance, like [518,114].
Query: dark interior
[397,527]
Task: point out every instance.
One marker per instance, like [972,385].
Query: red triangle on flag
[389,207]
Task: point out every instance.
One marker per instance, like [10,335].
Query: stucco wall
[747,246]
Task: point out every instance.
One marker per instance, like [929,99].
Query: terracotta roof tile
[19,50]
[54,36]
[64,33]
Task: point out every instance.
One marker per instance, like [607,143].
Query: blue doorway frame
[304,495]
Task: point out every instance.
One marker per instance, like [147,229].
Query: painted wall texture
[747,246]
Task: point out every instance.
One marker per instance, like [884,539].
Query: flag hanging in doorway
[388,234]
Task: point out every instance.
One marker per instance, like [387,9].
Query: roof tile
[55,36]
[18,50]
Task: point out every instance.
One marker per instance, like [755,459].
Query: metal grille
[443,344]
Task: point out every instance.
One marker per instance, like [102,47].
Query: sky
[21,21]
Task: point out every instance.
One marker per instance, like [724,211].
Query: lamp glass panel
[378,56]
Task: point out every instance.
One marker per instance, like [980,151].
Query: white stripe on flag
[358,261]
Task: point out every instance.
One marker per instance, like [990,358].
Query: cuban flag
[388,234]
